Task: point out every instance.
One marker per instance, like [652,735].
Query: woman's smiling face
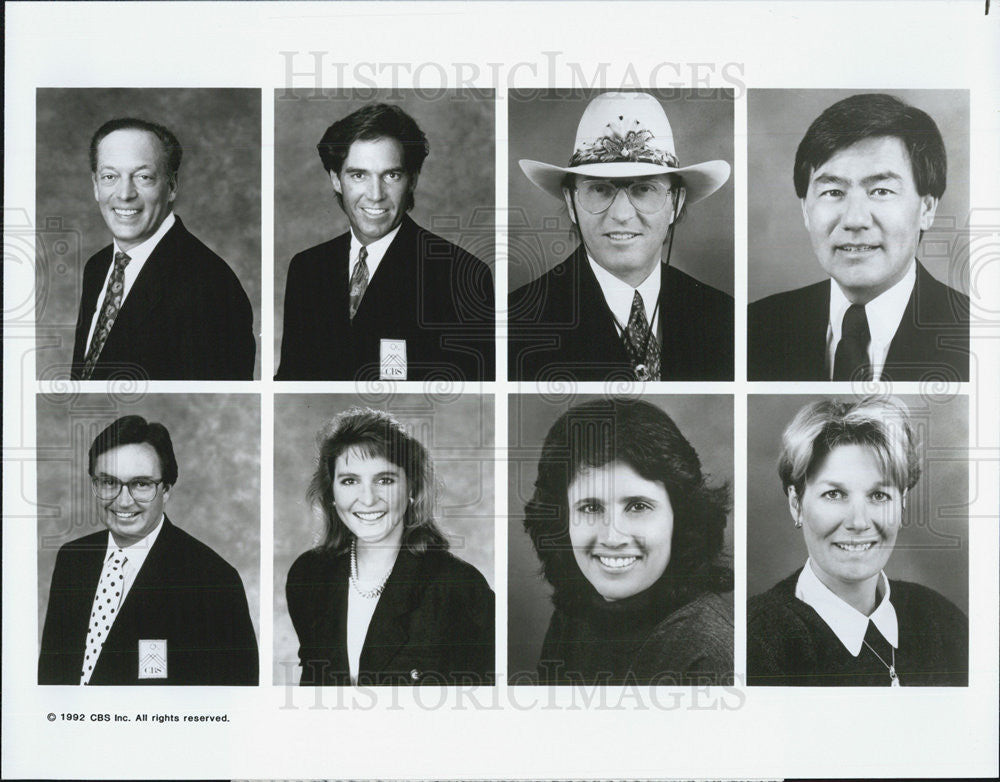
[621,526]
[371,495]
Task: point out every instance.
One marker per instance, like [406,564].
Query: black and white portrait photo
[149,264]
[858,266]
[857,545]
[383,541]
[619,543]
[621,235]
[364,290]
[143,577]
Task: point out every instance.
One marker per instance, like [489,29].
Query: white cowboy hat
[626,135]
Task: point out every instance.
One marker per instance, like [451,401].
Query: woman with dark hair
[628,532]
[847,468]
[381,601]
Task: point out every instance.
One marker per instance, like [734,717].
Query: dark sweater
[789,644]
[640,640]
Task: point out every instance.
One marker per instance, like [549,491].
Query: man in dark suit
[157,303]
[143,602]
[616,309]
[387,300]
[869,172]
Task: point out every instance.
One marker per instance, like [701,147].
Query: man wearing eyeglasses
[143,602]
[616,309]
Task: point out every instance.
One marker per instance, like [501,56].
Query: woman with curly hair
[381,601]
[628,532]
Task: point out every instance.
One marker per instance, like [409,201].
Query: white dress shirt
[619,294]
[376,252]
[884,313]
[139,255]
[847,623]
[135,556]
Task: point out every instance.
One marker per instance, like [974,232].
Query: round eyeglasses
[597,195]
[107,488]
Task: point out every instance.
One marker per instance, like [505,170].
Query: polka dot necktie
[359,281]
[109,313]
[106,603]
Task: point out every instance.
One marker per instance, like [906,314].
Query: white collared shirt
[619,294]
[376,252]
[847,623]
[139,255]
[884,313]
[135,556]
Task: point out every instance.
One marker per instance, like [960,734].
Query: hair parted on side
[874,115]
[641,435]
[135,430]
[375,433]
[172,150]
[878,423]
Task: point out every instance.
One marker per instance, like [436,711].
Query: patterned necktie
[643,347]
[107,599]
[850,362]
[359,281]
[109,313]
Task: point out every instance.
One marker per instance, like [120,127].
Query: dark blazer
[786,334]
[184,593]
[433,623]
[186,317]
[560,327]
[426,290]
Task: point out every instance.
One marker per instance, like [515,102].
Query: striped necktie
[359,281]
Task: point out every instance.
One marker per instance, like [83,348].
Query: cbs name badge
[393,360]
[153,659]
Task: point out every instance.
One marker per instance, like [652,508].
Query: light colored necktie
[359,281]
[643,347]
[109,313]
[107,600]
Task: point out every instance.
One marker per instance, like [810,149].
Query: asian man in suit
[869,173]
[157,303]
[143,602]
[388,299]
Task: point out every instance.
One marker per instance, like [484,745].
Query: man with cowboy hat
[615,308]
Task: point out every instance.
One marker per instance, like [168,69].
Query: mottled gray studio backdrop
[932,547]
[707,423]
[543,127]
[456,192]
[781,257]
[216,441]
[218,196]
[457,432]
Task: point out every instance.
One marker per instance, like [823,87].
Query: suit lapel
[91,565]
[93,283]
[393,288]
[388,630]
[806,345]
[598,337]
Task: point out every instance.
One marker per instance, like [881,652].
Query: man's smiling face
[864,216]
[132,186]
[374,187]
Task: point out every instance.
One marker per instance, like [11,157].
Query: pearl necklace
[367,594]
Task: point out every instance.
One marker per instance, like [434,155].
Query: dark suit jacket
[560,327]
[433,623]
[185,318]
[786,333]
[185,593]
[427,291]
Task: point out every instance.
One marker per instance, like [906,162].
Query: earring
[798,524]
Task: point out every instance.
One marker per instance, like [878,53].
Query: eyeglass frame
[122,484]
[670,191]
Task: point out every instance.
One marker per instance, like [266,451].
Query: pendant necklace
[893,676]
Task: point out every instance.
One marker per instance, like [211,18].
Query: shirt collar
[883,312]
[847,623]
[619,294]
[376,251]
[136,553]
[141,252]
